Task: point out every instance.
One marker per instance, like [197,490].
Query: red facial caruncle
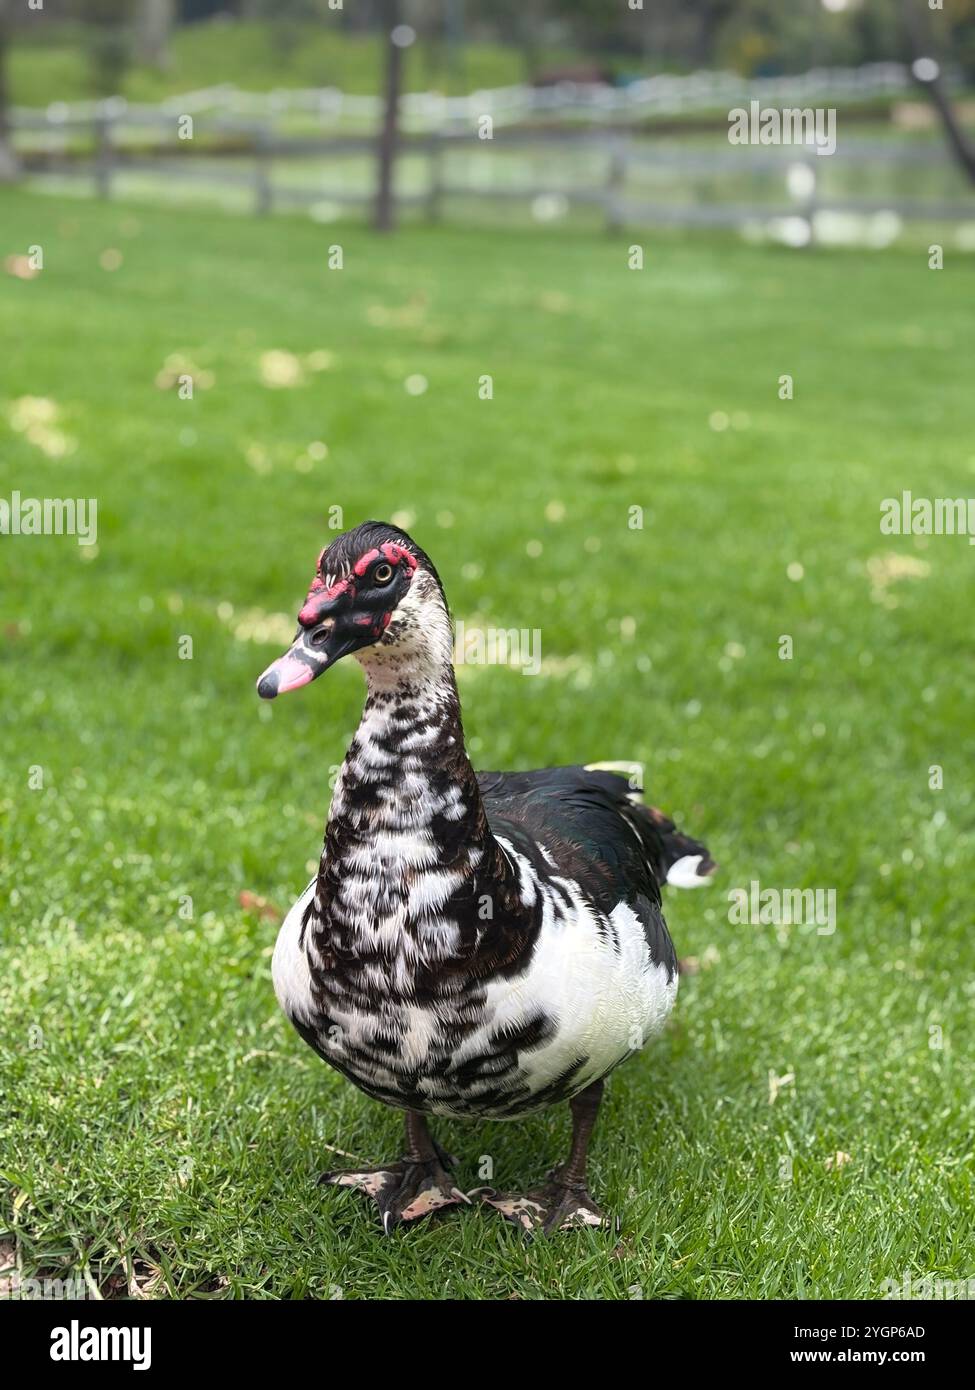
[320,597]
[339,616]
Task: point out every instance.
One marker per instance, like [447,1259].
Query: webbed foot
[557,1206]
[563,1203]
[409,1187]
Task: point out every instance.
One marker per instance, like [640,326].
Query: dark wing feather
[573,787]
[614,847]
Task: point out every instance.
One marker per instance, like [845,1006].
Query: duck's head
[376,594]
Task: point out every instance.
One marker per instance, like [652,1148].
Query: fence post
[615,179]
[435,191]
[104,151]
[263,192]
[809,202]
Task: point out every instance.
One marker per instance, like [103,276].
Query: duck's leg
[412,1186]
[564,1201]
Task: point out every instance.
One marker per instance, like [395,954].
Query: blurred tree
[396,40]
[108,41]
[927,70]
[153,25]
[711,16]
[594,25]
[876,29]
[961,35]
[750,35]
[519,23]
[9,167]
[440,25]
[765,37]
[287,20]
[668,30]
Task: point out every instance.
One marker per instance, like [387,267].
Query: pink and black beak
[322,639]
[340,617]
[313,651]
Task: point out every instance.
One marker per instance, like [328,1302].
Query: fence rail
[241,151]
[663,94]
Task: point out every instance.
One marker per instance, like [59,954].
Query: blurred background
[525,110]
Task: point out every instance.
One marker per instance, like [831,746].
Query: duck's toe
[557,1206]
[404,1190]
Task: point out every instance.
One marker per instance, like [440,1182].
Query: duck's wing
[573,824]
[602,814]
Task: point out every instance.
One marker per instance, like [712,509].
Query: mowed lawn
[161,1124]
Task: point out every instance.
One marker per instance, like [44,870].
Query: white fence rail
[663,95]
[239,142]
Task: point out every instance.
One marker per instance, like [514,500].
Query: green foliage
[255,56]
[107,43]
[514,43]
[160,1120]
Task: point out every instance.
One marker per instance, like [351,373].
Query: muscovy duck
[473,944]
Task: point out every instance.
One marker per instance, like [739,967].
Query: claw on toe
[555,1207]
[402,1191]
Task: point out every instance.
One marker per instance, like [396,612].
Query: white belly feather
[289,964]
[604,999]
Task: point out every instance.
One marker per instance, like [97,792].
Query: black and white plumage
[473,945]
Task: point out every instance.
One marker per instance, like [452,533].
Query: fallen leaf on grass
[775,1084]
[9,1277]
[280,369]
[253,902]
[887,569]
[20,268]
[693,965]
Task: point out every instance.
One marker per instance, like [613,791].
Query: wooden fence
[662,95]
[233,152]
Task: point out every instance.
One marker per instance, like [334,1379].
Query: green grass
[160,1116]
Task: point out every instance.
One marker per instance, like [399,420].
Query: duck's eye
[382,574]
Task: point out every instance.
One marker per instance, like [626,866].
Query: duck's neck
[412,881]
[407,770]
[407,827]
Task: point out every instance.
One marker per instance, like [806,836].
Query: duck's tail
[677,859]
